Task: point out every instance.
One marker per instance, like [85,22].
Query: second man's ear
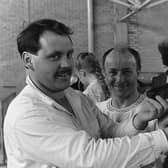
[103,72]
[27,60]
[138,72]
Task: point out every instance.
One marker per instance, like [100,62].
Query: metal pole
[90,26]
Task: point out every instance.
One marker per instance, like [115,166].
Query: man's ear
[103,72]
[138,72]
[27,60]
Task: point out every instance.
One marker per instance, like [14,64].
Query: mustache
[64,71]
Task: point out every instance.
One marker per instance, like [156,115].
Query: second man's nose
[119,77]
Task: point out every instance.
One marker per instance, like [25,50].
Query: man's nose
[65,62]
[119,77]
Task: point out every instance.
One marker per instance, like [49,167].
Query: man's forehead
[49,36]
[120,61]
[115,57]
[51,40]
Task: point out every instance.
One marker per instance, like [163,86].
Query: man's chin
[62,86]
[119,93]
[57,89]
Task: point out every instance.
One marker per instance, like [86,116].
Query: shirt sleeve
[64,146]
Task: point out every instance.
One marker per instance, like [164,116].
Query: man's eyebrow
[126,68]
[71,51]
[54,53]
[59,53]
[114,69]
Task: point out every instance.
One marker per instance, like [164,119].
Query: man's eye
[113,73]
[127,72]
[54,57]
[69,55]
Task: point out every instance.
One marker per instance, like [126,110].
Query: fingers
[156,106]
[151,109]
[163,123]
[163,102]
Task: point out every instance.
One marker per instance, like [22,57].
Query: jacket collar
[47,99]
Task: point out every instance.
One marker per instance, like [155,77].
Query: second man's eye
[127,72]
[69,55]
[113,72]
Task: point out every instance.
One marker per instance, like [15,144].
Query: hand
[163,122]
[149,110]
[165,130]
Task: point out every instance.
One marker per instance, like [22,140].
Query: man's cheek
[110,82]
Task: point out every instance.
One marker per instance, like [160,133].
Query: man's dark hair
[28,39]
[163,49]
[122,48]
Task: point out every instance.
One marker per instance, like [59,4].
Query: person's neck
[56,95]
[122,102]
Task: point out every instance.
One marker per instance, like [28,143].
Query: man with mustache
[51,125]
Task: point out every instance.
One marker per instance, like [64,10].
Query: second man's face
[121,74]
